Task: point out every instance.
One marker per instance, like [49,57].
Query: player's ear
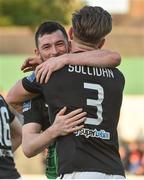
[70,32]
[101,43]
[36,52]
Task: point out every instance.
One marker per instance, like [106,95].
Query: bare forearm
[36,143]
[98,58]
[17,95]
[33,145]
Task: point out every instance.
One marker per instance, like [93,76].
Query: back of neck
[78,45]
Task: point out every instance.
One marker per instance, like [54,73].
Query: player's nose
[54,51]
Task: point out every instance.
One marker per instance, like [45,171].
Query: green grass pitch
[132,68]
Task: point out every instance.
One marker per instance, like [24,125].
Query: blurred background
[18,21]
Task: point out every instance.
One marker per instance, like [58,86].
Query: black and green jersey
[51,163]
[98,91]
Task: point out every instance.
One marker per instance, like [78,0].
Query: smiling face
[52,45]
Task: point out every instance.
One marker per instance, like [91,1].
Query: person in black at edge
[92,152]
[10,139]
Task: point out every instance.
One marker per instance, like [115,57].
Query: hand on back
[69,123]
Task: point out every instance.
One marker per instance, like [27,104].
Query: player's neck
[78,45]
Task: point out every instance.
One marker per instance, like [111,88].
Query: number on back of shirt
[95,103]
[4,127]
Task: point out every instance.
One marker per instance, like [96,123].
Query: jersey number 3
[95,103]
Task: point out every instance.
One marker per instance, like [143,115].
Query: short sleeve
[35,111]
[29,83]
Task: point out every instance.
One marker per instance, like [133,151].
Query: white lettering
[91,71]
[5,126]
[71,68]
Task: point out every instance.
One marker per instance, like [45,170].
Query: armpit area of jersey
[31,86]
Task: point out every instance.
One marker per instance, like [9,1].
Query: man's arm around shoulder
[17,95]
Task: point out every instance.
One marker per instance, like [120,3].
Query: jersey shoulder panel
[29,83]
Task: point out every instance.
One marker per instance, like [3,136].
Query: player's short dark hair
[49,27]
[90,24]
